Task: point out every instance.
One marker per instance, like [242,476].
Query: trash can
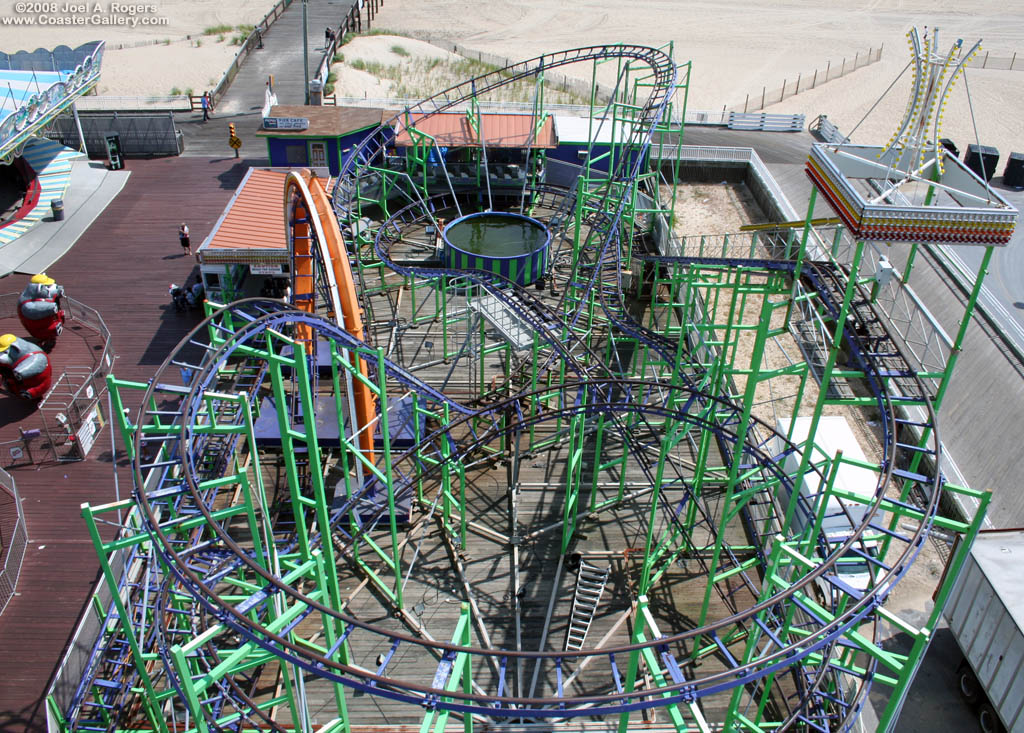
[57,205]
[316,92]
[115,157]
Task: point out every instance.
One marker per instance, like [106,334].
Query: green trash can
[57,205]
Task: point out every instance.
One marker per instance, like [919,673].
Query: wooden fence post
[843,69]
[783,95]
[984,63]
[763,90]
[828,67]
[1012,60]
[798,83]
[855,60]
[747,101]
[814,81]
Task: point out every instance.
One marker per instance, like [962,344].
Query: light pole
[305,51]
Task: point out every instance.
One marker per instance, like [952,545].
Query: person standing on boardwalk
[327,36]
[186,243]
[205,103]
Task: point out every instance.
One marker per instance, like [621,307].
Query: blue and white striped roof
[18,87]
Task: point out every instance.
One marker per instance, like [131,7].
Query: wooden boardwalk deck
[122,267]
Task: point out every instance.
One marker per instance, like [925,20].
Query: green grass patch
[215,30]
[418,78]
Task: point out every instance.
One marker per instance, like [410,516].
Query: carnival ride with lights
[437,491]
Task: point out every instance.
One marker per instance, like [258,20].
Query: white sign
[266,270]
[89,430]
[285,123]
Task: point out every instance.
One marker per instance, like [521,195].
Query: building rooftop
[324,121]
[252,222]
[501,130]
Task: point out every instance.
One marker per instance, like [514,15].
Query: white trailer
[985,612]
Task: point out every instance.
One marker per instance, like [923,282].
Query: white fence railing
[170,103]
[13,545]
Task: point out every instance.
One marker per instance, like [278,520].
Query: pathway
[280,57]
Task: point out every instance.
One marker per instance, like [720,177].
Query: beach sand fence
[763,97]
[998,63]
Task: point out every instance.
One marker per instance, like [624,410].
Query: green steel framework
[643,379]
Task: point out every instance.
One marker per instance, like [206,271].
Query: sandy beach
[157,47]
[735,50]
[740,47]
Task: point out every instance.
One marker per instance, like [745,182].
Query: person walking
[186,243]
[205,102]
[327,36]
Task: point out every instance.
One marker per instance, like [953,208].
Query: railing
[169,103]
[141,132]
[399,103]
[70,407]
[13,548]
[351,23]
[91,319]
[70,683]
[253,41]
[765,122]
[761,178]
[824,130]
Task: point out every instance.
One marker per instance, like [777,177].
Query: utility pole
[305,51]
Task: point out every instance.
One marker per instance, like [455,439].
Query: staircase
[590,582]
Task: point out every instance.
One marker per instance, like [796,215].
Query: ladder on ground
[590,582]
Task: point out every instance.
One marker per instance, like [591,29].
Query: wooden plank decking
[122,267]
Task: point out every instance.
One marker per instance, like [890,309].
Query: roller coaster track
[179,466]
[185,560]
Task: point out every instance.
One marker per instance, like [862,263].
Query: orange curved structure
[311,219]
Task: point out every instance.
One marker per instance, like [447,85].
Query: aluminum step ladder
[590,582]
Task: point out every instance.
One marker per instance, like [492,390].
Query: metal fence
[169,103]
[824,130]
[142,133]
[12,546]
[70,410]
[762,184]
[89,317]
[70,682]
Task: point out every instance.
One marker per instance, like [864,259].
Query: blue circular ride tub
[511,245]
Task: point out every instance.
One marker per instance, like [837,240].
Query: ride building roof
[583,130]
[251,229]
[499,130]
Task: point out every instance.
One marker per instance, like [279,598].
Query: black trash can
[57,205]
[1013,174]
[982,159]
